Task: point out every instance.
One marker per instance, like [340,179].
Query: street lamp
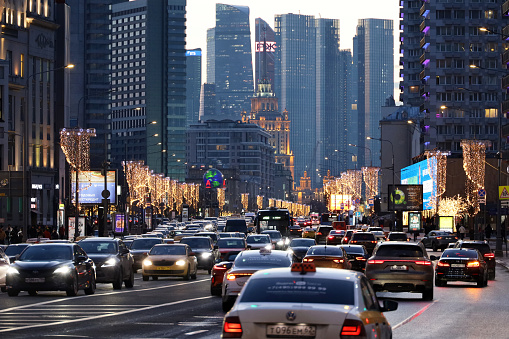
[26,207]
[370,156]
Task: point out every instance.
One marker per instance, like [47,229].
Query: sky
[201,15]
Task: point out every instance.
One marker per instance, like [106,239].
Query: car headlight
[206,255]
[147,262]
[110,262]
[62,270]
[280,242]
[289,250]
[287,241]
[180,263]
[12,270]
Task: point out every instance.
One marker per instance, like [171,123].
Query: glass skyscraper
[193,85]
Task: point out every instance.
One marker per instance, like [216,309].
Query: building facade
[193,85]
[264,57]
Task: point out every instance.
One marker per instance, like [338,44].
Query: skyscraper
[193,85]
[233,70]
[375,67]
[264,61]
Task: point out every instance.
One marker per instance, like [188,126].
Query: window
[459,96]
[22,65]
[443,14]
[490,129]
[458,129]
[474,14]
[491,47]
[475,47]
[491,113]
[490,14]
[475,80]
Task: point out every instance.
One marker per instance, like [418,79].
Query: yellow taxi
[170,260]
[308,232]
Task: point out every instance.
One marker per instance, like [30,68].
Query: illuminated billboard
[340,202]
[419,174]
[91,184]
[405,198]
[271,46]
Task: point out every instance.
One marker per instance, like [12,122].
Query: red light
[353,327]
[353,242]
[308,260]
[439,237]
[423,262]
[230,277]
[489,255]
[221,267]
[331,237]
[360,258]
[473,264]
[443,264]
[232,328]
[375,262]
[373,242]
[338,261]
[319,233]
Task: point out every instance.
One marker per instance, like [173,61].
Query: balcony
[505,107]
[505,57]
[505,32]
[505,82]
[505,8]
[422,10]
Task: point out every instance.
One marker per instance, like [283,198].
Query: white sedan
[305,301]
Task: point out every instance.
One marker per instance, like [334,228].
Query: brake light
[360,258]
[232,328]
[439,237]
[373,242]
[489,255]
[375,261]
[220,267]
[308,260]
[353,241]
[230,277]
[443,264]
[330,237]
[352,327]
[423,262]
[319,233]
[338,261]
[473,264]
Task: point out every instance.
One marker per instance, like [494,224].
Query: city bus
[315,218]
[273,219]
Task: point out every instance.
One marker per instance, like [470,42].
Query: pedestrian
[47,233]
[15,239]
[8,235]
[54,234]
[3,235]
[462,231]
[488,231]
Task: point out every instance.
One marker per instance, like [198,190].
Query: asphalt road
[172,308]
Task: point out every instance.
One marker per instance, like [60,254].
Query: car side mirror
[248,247]
[389,305]
[81,258]
[433,257]
[216,247]
[16,256]
[124,251]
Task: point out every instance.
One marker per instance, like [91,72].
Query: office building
[193,85]
[208,102]
[264,62]
[375,71]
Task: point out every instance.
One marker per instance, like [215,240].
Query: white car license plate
[457,265]
[291,331]
[35,280]
[399,268]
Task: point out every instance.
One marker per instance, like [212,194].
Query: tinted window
[263,260]
[144,244]
[399,251]
[483,248]
[358,250]
[168,250]
[107,247]
[302,242]
[273,235]
[230,243]
[13,250]
[325,229]
[47,253]
[363,236]
[454,253]
[196,242]
[398,237]
[302,290]
[236,225]
[329,250]
[258,239]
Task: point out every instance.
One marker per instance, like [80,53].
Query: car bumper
[106,274]
[412,282]
[165,271]
[51,283]
[205,262]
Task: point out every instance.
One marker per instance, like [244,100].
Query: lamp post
[26,207]
[370,156]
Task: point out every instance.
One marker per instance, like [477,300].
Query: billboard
[414,222]
[419,174]
[119,223]
[405,197]
[91,186]
[340,202]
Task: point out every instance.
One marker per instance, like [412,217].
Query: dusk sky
[201,16]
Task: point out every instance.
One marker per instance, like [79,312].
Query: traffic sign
[503,192]
[357,201]
[481,193]
[481,200]
[371,202]
[342,206]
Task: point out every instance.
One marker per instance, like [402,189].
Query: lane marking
[106,315]
[196,332]
[208,317]
[159,324]
[66,335]
[195,324]
[415,315]
[99,295]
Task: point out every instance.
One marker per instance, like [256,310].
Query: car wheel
[129,283]
[193,276]
[145,278]
[215,291]
[427,294]
[491,275]
[435,247]
[73,288]
[33,293]
[12,292]
[188,274]
[154,277]
[117,284]
[91,287]
[480,282]
[4,289]
[227,304]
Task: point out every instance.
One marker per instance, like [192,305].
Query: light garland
[259,201]
[370,175]
[437,165]
[244,199]
[452,206]
[221,197]
[474,156]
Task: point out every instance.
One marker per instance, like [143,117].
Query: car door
[427,240]
[81,265]
[123,254]
[375,320]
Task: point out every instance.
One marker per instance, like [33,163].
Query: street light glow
[443,107]
[69,66]
[473,66]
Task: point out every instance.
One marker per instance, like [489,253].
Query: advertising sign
[446,223]
[119,223]
[414,222]
[405,197]
[72,227]
[91,186]
[336,200]
[419,174]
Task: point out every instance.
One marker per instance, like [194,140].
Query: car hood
[226,250]
[167,257]
[30,265]
[100,257]
[135,252]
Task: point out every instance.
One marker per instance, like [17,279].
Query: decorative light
[259,201]
[244,199]
[474,157]
[221,197]
[452,206]
[370,175]
[437,165]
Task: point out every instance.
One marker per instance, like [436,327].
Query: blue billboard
[91,184]
[419,174]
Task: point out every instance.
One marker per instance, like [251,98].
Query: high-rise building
[208,102]
[193,85]
[231,60]
[375,67]
[452,70]
[264,36]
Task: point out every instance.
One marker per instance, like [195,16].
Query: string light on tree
[452,206]
[370,175]
[259,201]
[474,157]
[437,165]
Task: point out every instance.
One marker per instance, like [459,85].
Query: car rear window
[263,260]
[325,250]
[403,251]
[302,242]
[349,250]
[302,290]
[454,253]
[363,236]
[483,248]
[398,237]
[230,243]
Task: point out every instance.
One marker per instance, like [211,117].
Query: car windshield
[299,290]
[14,250]
[93,247]
[196,242]
[168,250]
[302,242]
[273,235]
[47,253]
[398,237]
[144,244]
[263,260]
[363,236]
[441,234]
[257,239]
[455,253]
[483,248]
[399,251]
[324,250]
[230,243]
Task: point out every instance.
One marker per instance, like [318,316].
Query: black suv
[367,239]
[485,250]
[236,225]
[322,233]
[112,259]
[140,248]
[203,249]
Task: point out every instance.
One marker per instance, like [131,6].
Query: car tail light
[352,327]
[230,277]
[232,328]
[473,264]
[330,237]
[443,264]
[439,238]
[360,258]
[373,242]
[338,261]
[308,260]
[423,262]
[353,241]
[319,233]
[489,255]
[375,261]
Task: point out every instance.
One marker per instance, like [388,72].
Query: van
[236,225]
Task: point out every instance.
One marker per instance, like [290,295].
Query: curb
[503,264]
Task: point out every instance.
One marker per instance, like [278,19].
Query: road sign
[357,201]
[481,200]
[342,206]
[503,192]
[481,193]
[371,202]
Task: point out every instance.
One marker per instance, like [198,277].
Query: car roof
[170,245]
[321,272]
[54,244]
[398,243]
[252,253]
[99,239]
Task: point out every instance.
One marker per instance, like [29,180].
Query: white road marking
[159,324]
[196,332]
[104,315]
[413,316]
[208,317]
[66,335]
[196,324]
